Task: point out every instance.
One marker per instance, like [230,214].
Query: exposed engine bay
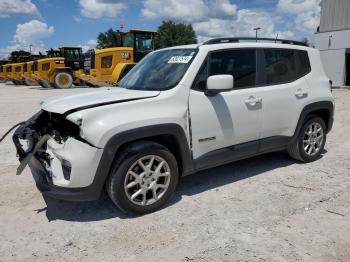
[43,123]
[31,137]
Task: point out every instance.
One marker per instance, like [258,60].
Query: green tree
[173,34]
[110,38]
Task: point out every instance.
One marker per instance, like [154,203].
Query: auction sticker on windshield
[180,59]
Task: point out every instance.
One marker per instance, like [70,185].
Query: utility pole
[256,32]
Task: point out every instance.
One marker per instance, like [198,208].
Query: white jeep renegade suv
[179,110]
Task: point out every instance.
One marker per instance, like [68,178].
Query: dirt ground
[267,208]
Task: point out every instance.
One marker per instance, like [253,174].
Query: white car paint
[63,103]
[232,117]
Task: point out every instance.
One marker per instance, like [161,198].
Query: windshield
[160,70]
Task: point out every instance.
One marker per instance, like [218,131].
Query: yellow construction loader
[3,73]
[19,73]
[28,77]
[16,75]
[106,67]
[7,71]
[56,70]
[67,65]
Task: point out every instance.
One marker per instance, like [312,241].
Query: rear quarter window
[303,62]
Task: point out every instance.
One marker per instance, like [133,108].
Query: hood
[92,97]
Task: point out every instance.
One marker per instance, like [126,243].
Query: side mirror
[219,83]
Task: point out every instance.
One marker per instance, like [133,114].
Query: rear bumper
[44,185]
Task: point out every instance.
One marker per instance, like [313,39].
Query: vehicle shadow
[190,185]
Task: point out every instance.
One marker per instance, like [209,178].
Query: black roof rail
[222,40]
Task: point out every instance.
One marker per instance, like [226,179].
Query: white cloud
[17,7]
[216,18]
[91,44]
[243,26]
[188,10]
[30,33]
[96,9]
[307,14]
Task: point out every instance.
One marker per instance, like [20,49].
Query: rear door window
[280,66]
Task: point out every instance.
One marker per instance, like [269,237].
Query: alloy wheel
[147,180]
[313,139]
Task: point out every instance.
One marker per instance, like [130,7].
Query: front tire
[310,142]
[63,80]
[29,82]
[45,84]
[144,176]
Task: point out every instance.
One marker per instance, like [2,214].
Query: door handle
[252,101]
[300,93]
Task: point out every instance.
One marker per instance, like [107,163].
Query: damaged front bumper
[62,168]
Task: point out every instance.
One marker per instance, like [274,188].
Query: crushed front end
[62,163]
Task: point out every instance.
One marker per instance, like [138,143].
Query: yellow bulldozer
[27,75]
[56,70]
[16,75]
[17,71]
[3,70]
[105,67]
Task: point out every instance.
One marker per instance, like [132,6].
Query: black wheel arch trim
[328,105]
[118,140]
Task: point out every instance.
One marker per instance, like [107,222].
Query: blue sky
[53,23]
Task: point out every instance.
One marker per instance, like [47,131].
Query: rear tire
[310,142]
[142,188]
[63,80]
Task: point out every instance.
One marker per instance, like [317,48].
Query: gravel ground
[268,208]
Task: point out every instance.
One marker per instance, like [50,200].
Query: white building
[333,40]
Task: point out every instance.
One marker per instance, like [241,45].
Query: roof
[215,43]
